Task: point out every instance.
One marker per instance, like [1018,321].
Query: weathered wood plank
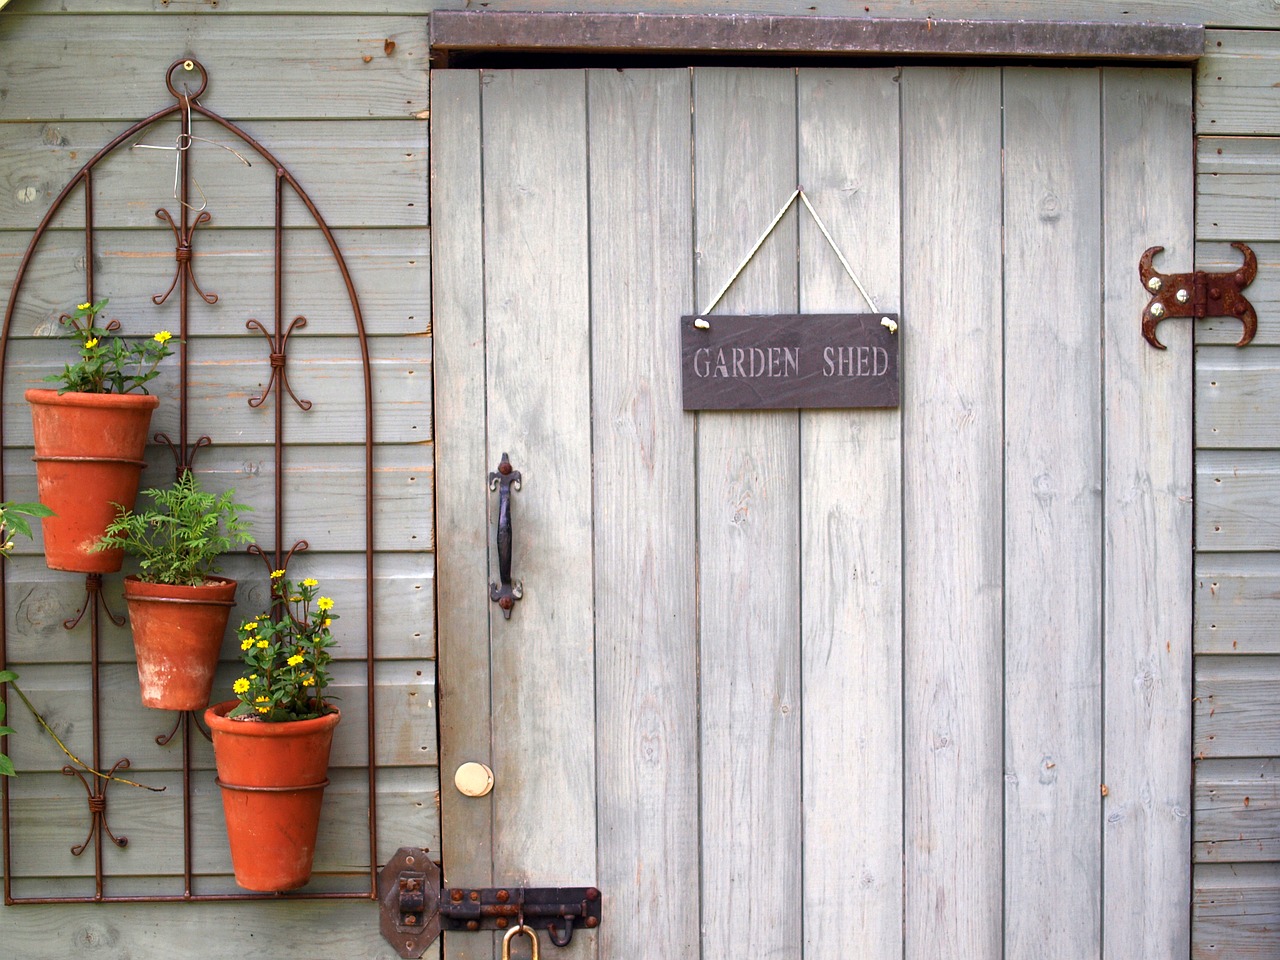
[314,477]
[50,816]
[325,77]
[1263,293]
[1237,603]
[1236,94]
[225,374]
[748,527]
[40,600]
[537,288]
[1237,397]
[141,931]
[952,424]
[357,173]
[1237,500]
[390,268]
[1147,191]
[404,701]
[1052,516]
[1235,912]
[851,533]
[1237,811]
[645,580]
[458,324]
[1235,707]
[1237,189]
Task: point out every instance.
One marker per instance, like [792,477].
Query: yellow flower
[263,709]
[251,625]
[309,682]
[164,336]
[253,676]
[294,660]
[311,582]
[324,603]
[240,686]
[84,306]
[263,644]
[277,574]
[295,599]
[325,622]
[91,343]
[247,642]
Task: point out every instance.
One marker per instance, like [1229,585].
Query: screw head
[1157,310]
[1182,296]
[1155,283]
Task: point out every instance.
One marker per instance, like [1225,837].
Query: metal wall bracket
[415,907]
[1198,295]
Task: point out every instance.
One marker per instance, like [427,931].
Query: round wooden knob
[473,779]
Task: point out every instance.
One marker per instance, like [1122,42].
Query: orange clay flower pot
[272,777]
[89,450]
[177,636]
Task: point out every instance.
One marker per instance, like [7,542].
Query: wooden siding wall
[340,100]
[316,80]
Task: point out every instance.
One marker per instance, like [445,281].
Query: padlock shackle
[512,933]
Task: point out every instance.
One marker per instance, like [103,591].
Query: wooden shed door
[868,683]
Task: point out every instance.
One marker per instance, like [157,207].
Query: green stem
[63,747]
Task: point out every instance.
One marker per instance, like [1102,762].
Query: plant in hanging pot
[271,745]
[178,608]
[90,434]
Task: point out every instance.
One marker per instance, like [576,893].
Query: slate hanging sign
[789,361]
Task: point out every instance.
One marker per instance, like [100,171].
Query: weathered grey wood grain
[357,173]
[251,76]
[748,519]
[538,405]
[1235,911]
[1052,516]
[458,325]
[405,704]
[50,815]
[644,521]
[1237,811]
[389,267]
[224,374]
[1147,189]
[1235,707]
[1263,293]
[1236,93]
[1237,188]
[952,576]
[1237,603]
[135,931]
[1237,493]
[851,533]
[1237,397]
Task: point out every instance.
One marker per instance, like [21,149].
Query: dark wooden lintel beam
[753,34]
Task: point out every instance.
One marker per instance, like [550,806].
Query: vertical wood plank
[1147,200]
[458,327]
[1052,515]
[851,530]
[952,424]
[646,655]
[539,411]
[744,168]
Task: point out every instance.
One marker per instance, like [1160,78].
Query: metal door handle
[505,593]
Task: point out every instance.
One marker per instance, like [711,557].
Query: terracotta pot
[272,777]
[89,450]
[177,636]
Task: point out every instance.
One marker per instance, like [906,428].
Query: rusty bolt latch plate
[1198,295]
[409,892]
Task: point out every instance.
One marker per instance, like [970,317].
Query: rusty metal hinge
[1198,295]
[415,907]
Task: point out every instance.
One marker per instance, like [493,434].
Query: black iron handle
[505,593]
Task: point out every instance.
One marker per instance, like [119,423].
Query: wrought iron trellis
[184,451]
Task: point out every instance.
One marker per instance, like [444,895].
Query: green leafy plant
[13,520]
[108,364]
[181,537]
[286,653]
